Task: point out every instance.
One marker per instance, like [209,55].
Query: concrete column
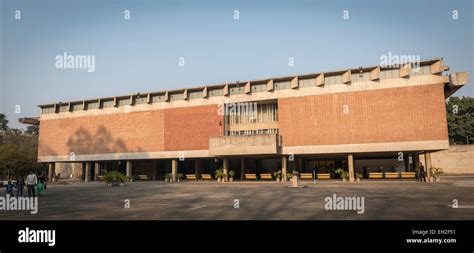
[407,162]
[242,168]
[283,168]
[415,158]
[128,170]
[226,169]
[428,164]
[350,163]
[96,171]
[174,169]
[197,166]
[87,175]
[51,171]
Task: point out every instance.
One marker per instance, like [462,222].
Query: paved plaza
[383,200]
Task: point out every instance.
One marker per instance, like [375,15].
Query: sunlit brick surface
[415,113]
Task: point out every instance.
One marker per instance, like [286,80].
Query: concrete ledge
[369,147]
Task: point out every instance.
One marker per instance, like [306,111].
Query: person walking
[31,182]
[422,172]
[10,187]
[20,184]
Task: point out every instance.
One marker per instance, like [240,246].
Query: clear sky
[142,54]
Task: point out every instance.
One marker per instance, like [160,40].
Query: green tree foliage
[460,120]
[18,150]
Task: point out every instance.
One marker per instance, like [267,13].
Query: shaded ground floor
[355,165]
[273,201]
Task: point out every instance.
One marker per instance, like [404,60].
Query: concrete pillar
[51,171]
[197,167]
[96,171]
[415,158]
[283,168]
[407,162]
[128,170]
[174,169]
[226,169]
[87,174]
[350,163]
[242,168]
[428,164]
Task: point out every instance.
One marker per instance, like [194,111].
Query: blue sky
[142,54]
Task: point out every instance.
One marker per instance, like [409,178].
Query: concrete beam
[346,77]
[294,83]
[247,88]
[205,92]
[270,85]
[225,91]
[320,80]
[185,94]
[374,74]
[405,71]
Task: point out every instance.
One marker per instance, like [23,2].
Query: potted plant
[277,175]
[289,176]
[135,178]
[219,174]
[436,173]
[344,175]
[338,172]
[120,179]
[179,176]
[167,177]
[108,179]
[359,176]
[231,175]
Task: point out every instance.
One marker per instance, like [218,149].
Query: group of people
[34,183]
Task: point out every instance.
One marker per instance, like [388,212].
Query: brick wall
[190,128]
[415,113]
[150,131]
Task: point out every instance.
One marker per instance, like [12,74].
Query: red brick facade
[415,113]
[149,131]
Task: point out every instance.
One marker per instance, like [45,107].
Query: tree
[460,120]
[18,151]
[32,130]
[3,122]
